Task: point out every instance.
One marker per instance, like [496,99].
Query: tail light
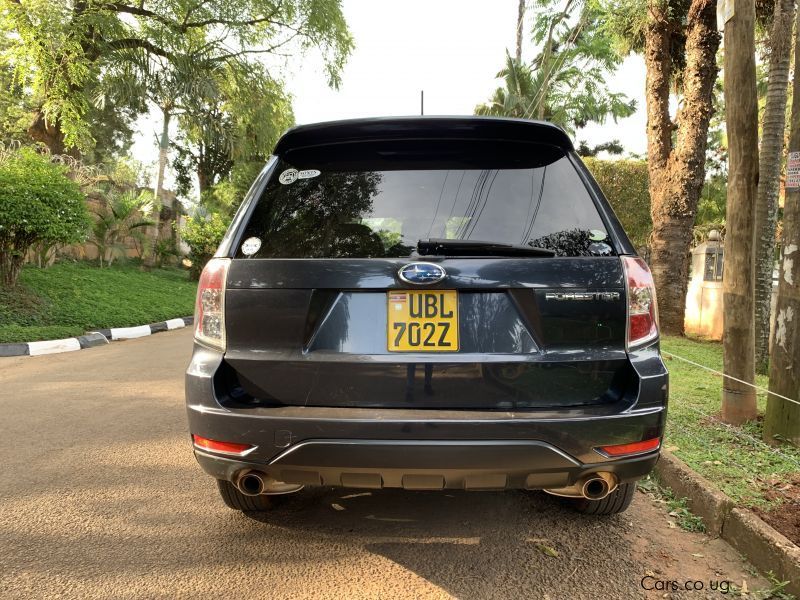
[632,448]
[209,312]
[231,448]
[642,309]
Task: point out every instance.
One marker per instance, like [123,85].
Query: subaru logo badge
[422,273]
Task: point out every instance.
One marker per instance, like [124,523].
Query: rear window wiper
[439,246]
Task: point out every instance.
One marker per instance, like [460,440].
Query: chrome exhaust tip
[250,484]
[594,486]
[254,483]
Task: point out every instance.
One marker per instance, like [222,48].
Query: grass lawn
[71,298]
[735,459]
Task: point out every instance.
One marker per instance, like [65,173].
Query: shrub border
[91,339]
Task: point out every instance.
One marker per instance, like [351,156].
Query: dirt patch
[785,517]
[676,558]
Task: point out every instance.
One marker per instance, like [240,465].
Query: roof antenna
[422,102]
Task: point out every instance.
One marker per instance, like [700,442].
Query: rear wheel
[236,500]
[616,502]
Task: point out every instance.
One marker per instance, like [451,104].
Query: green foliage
[203,236]
[223,198]
[625,184]
[566,81]
[165,251]
[237,120]
[612,147]
[119,217]
[71,298]
[15,100]
[625,22]
[38,203]
[112,128]
[712,204]
[517,97]
[61,55]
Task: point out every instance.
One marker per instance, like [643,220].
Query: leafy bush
[712,204]
[38,205]
[223,198]
[203,235]
[625,184]
[120,217]
[165,251]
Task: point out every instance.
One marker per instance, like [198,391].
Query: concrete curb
[702,497]
[91,339]
[763,546]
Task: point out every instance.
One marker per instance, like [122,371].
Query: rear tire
[615,503]
[236,500]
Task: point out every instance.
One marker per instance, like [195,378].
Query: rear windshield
[351,212]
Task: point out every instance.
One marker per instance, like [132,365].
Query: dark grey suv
[426,303]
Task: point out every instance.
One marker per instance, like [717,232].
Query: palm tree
[769,170]
[168,85]
[116,220]
[566,82]
[516,97]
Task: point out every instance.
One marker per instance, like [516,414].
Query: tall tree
[520,28]
[782,418]
[769,170]
[741,118]
[566,83]
[238,120]
[679,50]
[168,85]
[69,46]
[171,87]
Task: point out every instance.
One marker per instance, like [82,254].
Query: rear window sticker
[250,246]
[307,174]
[288,176]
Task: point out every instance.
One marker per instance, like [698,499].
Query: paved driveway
[100,497]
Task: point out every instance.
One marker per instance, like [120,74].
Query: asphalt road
[100,497]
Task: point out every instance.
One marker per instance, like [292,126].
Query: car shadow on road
[470,544]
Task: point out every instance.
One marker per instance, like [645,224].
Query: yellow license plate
[422,321]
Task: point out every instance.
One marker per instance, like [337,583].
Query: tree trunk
[782,417]
[677,171]
[520,26]
[49,134]
[769,170]
[163,150]
[10,266]
[741,121]
[203,180]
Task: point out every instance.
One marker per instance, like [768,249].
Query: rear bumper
[426,465]
[425,448]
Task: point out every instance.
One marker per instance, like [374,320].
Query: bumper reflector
[632,448]
[221,447]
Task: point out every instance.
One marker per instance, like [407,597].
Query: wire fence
[685,401]
[731,377]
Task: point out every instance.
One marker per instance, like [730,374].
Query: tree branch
[185,24]
[136,43]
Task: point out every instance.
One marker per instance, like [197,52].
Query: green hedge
[624,183]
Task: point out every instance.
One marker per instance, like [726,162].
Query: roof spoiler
[422,128]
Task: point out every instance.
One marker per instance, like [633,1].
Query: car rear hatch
[438,268]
